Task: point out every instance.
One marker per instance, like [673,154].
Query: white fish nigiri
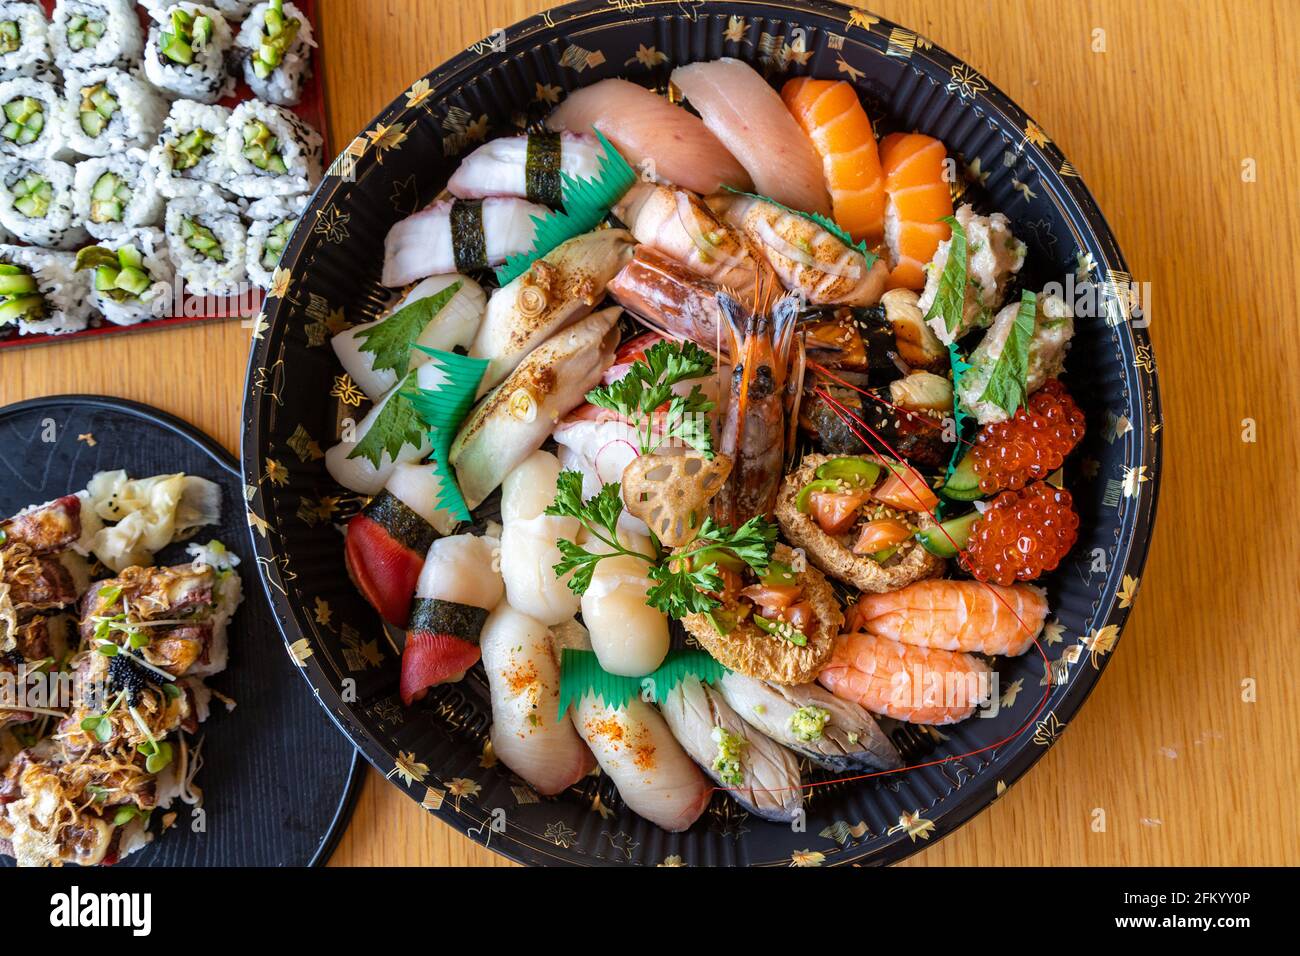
[462,569]
[527,166]
[749,118]
[630,638]
[557,290]
[360,474]
[528,558]
[662,141]
[458,236]
[529,735]
[453,326]
[530,489]
[759,774]
[419,487]
[513,420]
[655,777]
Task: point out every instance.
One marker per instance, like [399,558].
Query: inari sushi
[208,244]
[275,45]
[271,223]
[115,194]
[37,205]
[31,125]
[185,55]
[271,152]
[24,39]
[42,292]
[107,111]
[191,152]
[88,34]
[130,277]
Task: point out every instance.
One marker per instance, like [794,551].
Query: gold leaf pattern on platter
[598,806]
[1001,787]
[843,66]
[322,612]
[259,325]
[525,796]
[976,173]
[1047,730]
[622,843]
[408,769]
[914,825]
[279,284]
[843,832]
[255,520]
[358,653]
[1034,134]
[304,446]
[735,30]
[671,862]
[965,81]
[317,511]
[433,798]
[300,650]
[578,59]
[1023,188]
[1127,591]
[276,473]
[488,757]
[333,224]
[460,787]
[1067,170]
[385,138]
[802,858]
[346,391]
[560,834]
[547,93]
[860,18]
[418,94]
[902,43]
[1133,478]
[88,439]
[1053,633]
[1099,643]
[1009,695]
[647,56]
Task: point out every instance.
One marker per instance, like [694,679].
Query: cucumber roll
[208,244]
[230,9]
[107,111]
[275,45]
[271,152]
[191,153]
[130,277]
[113,195]
[36,203]
[24,40]
[41,292]
[186,53]
[32,122]
[272,222]
[88,34]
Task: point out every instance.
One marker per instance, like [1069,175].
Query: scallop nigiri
[919,197]
[527,167]
[458,235]
[831,115]
[629,636]
[663,141]
[749,118]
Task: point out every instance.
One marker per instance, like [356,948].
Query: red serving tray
[311,109]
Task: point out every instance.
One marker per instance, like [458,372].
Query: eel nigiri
[835,734]
[451,326]
[806,257]
[557,290]
[663,141]
[968,616]
[458,235]
[458,586]
[529,734]
[916,684]
[512,421]
[840,130]
[678,224]
[386,543]
[527,167]
[671,300]
[918,198]
[749,118]
[753,770]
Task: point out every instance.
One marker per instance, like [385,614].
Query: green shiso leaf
[581,675]
[829,225]
[950,298]
[391,341]
[397,425]
[1008,384]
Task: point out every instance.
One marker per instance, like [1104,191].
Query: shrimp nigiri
[919,197]
[840,130]
[915,684]
[965,616]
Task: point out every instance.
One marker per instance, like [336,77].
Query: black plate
[278,782]
[296,401]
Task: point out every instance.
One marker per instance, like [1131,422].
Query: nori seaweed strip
[468,244]
[448,617]
[402,524]
[542,170]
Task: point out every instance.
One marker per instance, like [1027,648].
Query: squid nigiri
[663,141]
[527,167]
[458,235]
[360,474]
[919,197]
[529,735]
[749,118]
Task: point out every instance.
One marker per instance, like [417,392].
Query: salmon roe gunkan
[1022,535]
[1032,444]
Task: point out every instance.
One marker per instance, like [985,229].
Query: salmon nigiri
[916,684]
[840,130]
[918,198]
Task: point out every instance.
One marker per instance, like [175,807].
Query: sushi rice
[208,244]
[113,195]
[58,305]
[271,152]
[24,40]
[191,154]
[86,34]
[230,9]
[36,203]
[185,55]
[275,46]
[271,223]
[32,122]
[130,277]
[106,111]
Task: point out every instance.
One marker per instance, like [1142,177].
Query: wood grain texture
[1159,125]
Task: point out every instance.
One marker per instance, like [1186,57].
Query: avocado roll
[130,277]
[31,125]
[208,244]
[271,152]
[271,223]
[106,111]
[24,40]
[185,55]
[191,153]
[88,34]
[41,292]
[36,203]
[114,194]
[275,46]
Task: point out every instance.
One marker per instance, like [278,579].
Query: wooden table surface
[1186,129]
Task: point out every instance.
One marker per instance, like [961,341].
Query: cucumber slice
[24,307]
[947,540]
[17,284]
[105,279]
[105,186]
[130,257]
[134,281]
[964,485]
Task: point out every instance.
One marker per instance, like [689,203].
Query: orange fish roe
[1032,444]
[610,727]
[521,678]
[1022,535]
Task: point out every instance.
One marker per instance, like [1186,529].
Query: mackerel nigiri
[528,167]
[662,141]
[747,115]
[458,235]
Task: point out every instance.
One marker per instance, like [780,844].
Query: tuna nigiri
[664,142]
[528,167]
[749,118]
[458,235]
[918,198]
[840,130]
[957,616]
[916,684]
